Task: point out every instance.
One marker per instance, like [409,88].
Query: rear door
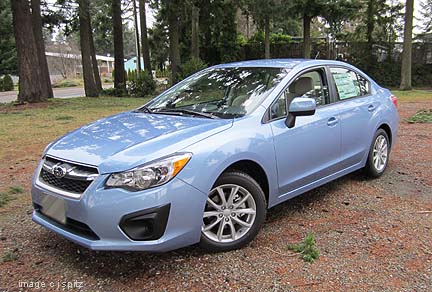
[310,150]
[356,105]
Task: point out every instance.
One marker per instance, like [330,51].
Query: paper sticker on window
[345,85]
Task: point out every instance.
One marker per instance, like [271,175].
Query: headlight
[149,175]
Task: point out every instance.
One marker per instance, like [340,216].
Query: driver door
[310,150]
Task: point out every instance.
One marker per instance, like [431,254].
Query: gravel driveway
[373,235]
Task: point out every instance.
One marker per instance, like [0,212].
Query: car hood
[130,139]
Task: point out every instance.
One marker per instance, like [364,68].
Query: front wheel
[378,154]
[234,212]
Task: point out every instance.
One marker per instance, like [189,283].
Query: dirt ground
[373,235]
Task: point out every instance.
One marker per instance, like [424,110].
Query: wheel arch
[388,131]
[255,170]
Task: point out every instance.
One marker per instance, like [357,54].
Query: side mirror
[300,106]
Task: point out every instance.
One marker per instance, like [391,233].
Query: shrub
[307,249]
[422,116]
[279,38]
[8,256]
[190,67]
[7,83]
[1,84]
[141,84]
[4,199]
[114,92]
[67,83]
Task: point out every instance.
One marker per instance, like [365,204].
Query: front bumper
[100,211]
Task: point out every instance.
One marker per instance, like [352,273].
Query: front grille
[70,185]
[74,179]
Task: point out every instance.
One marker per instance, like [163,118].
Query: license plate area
[54,208]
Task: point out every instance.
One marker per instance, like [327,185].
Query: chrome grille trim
[75,181]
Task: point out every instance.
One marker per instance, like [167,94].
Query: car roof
[280,63]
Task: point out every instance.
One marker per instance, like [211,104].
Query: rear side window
[349,84]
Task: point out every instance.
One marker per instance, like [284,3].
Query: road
[69,92]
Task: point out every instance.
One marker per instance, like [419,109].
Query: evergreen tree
[8,56]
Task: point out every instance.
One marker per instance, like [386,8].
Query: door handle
[332,121]
[371,108]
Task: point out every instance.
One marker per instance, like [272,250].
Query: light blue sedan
[203,161]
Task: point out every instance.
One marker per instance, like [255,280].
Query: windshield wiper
[188,112]
[144,109]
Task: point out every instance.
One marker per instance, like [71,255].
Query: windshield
[222,93]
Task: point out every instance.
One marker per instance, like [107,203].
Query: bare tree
[119,71]
[30,81]
[407,47]
[137,37]
[64,60]
[40,44]
[144,36]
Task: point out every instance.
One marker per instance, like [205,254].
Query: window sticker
[345,85]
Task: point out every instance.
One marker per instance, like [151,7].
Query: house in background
[131,64]
[65,64]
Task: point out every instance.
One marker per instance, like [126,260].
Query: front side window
[311,84]
[223,92]
[349,84]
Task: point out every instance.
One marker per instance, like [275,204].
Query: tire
[372,168]
[246,195]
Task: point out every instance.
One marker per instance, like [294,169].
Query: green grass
[4,199]
[8,256]
[64,118]
[67,83]
[26,130]
[16,190]
[422,116]
[414,94]
[307,248]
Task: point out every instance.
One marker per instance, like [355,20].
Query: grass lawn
[26,130]
[415,94]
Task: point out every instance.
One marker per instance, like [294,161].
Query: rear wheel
[234,212]
[378,154]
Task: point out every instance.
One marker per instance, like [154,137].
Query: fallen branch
[424,212]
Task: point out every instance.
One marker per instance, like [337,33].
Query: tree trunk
[195,32]
[119,70]
[87,66]
[370,25]
[306,36]
[94,60]
[30,89]
[144,37]
[173,27]
[267,38]
[40,44]
[137,37]
[407,47]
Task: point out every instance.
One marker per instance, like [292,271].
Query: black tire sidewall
[247,182]
[370,167]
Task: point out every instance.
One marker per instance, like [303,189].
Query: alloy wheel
[380,153]
[229,213]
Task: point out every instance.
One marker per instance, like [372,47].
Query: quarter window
[349,84]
